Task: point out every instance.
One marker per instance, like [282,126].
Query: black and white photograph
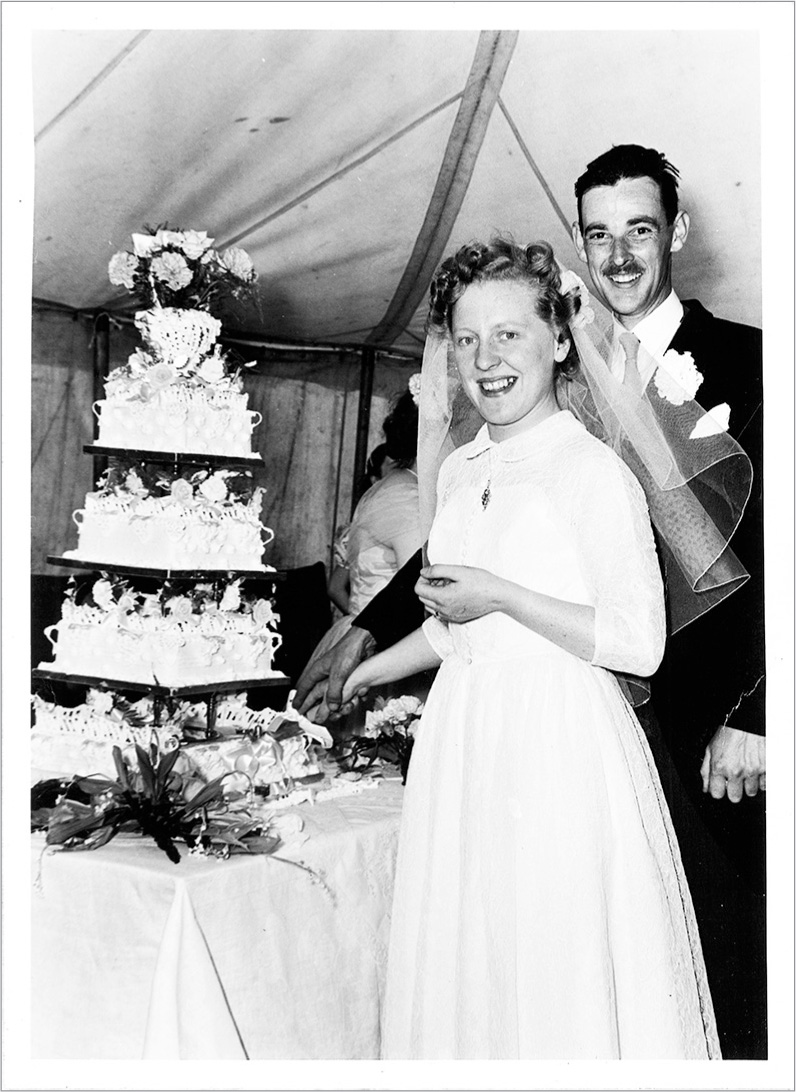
[397,433]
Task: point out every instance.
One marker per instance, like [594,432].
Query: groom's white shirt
[655,332]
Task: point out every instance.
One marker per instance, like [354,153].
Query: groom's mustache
[612,270]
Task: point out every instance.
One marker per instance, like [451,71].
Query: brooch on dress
[486,496]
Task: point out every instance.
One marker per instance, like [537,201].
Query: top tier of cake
[177,395]
[180,392]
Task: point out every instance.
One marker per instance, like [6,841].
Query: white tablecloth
[135,957]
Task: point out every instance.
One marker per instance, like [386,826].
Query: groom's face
[625,239]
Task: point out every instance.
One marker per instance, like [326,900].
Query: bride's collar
[524,443]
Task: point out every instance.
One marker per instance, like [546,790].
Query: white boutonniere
[713,423]
[677,378]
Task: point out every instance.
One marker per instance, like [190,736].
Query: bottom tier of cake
[275,752]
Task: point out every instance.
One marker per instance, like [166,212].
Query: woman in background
[385,528]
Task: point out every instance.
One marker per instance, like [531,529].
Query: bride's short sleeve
[620,563]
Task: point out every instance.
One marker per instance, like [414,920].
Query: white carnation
[239,263]
[677,378]
[122,268]
[195,243]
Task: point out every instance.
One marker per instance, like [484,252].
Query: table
[135,957]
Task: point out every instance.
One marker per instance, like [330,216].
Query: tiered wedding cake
[179,502]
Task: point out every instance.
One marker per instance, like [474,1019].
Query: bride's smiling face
[506,356]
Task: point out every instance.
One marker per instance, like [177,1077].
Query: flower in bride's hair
[122,268]
[570,282]
[677,378]
[414,387]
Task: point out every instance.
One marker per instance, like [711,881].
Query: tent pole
[101,345]
[367,368]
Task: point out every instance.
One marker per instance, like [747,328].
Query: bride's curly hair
[503,260]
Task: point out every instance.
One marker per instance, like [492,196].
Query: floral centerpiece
[388,734]
[181,269]
[152,800]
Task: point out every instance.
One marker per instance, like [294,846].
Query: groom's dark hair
[631,161]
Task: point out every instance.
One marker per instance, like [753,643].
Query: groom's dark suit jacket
[713,671]
[715,666]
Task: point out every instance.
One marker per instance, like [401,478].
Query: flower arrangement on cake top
[180,392]
[181,269]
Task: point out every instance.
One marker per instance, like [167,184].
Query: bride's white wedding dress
[541,909]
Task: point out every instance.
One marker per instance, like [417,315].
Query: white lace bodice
[565,518]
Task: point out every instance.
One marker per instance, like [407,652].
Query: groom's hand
[734,764]
[320,686]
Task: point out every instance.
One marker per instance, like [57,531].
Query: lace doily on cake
[178,337]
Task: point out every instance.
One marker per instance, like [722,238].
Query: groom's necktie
[632,381]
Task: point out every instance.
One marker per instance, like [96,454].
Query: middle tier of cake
[165,639]
[148,518]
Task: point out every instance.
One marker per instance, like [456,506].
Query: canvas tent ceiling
[348,162]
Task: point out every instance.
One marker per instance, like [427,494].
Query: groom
[708,695]
[712,681]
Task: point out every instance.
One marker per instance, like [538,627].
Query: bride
[541,910]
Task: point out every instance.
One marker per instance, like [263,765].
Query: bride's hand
[459,593]
[358,682]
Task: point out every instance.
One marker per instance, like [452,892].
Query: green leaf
[100,838]
[61,832]
[147,773]
[263,843]
[210,792]
[94,786]
[287,730]
[40,818]
[121,769]
[165,767]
